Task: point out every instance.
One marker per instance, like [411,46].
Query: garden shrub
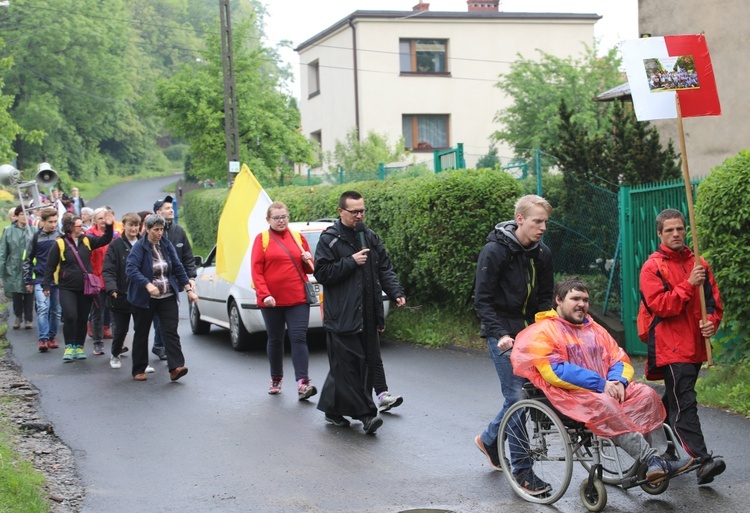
[723,217]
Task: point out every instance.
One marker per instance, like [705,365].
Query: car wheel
[237,333]
[198,326]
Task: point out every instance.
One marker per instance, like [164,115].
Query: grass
[434,327]
[726,386]
[21,487]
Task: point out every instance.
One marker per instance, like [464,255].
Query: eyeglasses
[280,218]
[356,212]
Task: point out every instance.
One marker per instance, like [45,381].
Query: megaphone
[8,175]
[45,175]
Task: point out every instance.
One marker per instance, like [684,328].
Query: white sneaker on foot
[114,362]
[386,401]
[149,369]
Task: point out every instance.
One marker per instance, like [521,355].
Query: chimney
[484,5]
[421,7]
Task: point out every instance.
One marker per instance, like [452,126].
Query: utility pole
[230,100]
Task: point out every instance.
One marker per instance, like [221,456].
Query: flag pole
[694,226]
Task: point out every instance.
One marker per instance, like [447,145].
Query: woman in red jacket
[281,260]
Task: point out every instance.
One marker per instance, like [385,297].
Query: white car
[235,307]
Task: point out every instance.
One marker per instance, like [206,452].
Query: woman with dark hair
[67,263]
[156,276]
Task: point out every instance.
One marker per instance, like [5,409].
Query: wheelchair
[553,442]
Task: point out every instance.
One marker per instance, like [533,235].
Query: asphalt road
[216,441]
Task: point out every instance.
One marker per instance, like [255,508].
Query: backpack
[645,319]
[266,237]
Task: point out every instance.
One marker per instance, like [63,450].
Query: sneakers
[52,343]
[336,420]
[530,483]
[28,325]
[98,348]
[160,352]
[710,468]
[17,323]
[149,370]
[80,353]
[114,362]
[106,332]
[305,390]
[386,401]
[69,355]
[43,346]
[490,451]
[371,424]
[659,468]
[275,387]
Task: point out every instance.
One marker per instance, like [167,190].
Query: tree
[356,156]
[489,161]
[537,87]
[192,105]
[8,128]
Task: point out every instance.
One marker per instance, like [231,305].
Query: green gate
[639,206]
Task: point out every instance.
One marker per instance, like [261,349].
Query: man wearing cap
[175,234]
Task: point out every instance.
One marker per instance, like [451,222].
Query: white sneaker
[114,362]
[388,401]
[149,369]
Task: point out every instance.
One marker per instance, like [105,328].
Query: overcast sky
[298,20]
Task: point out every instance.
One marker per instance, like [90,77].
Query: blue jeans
[48,311]
[511,386]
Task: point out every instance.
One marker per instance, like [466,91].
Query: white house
[429,76]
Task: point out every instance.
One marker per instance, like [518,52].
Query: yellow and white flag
[243,218]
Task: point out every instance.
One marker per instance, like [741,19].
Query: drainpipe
[356,78]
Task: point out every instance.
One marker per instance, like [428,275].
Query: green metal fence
[639,206]
[444,160]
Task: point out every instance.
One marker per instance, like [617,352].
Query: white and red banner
[659,68]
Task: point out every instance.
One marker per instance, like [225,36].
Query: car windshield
[312,240]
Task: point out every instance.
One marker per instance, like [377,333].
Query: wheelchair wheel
[651,488]
[594,497]
[609,455]
[537,436]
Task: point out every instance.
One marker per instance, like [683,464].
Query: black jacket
[175,234]
[342,278]
[113,272]
[70,275]
[513,283]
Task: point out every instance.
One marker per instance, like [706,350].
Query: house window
[423,56]
[317,136]
[313,79]
[425,131]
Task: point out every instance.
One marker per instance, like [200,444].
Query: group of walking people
[78,278]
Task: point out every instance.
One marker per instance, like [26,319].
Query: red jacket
[274,273]
[675,303]
[97,255]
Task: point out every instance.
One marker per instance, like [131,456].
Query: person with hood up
[514,281]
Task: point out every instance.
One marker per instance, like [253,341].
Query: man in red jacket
[669,285]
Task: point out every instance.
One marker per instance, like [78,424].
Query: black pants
[295,319]
[23,305]
[169,313]
[375,362]
[121,325]
[75,314]
[681,403]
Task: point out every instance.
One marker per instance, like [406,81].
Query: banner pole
[693,224]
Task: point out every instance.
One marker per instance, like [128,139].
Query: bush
[176,152]
[723,217]
[433,226]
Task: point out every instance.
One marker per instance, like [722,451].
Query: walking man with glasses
[353,266]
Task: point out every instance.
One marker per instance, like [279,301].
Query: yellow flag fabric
[243,218]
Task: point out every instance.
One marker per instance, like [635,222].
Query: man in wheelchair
[588,377]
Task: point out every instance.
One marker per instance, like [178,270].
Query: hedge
[433,226]
[723,218]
